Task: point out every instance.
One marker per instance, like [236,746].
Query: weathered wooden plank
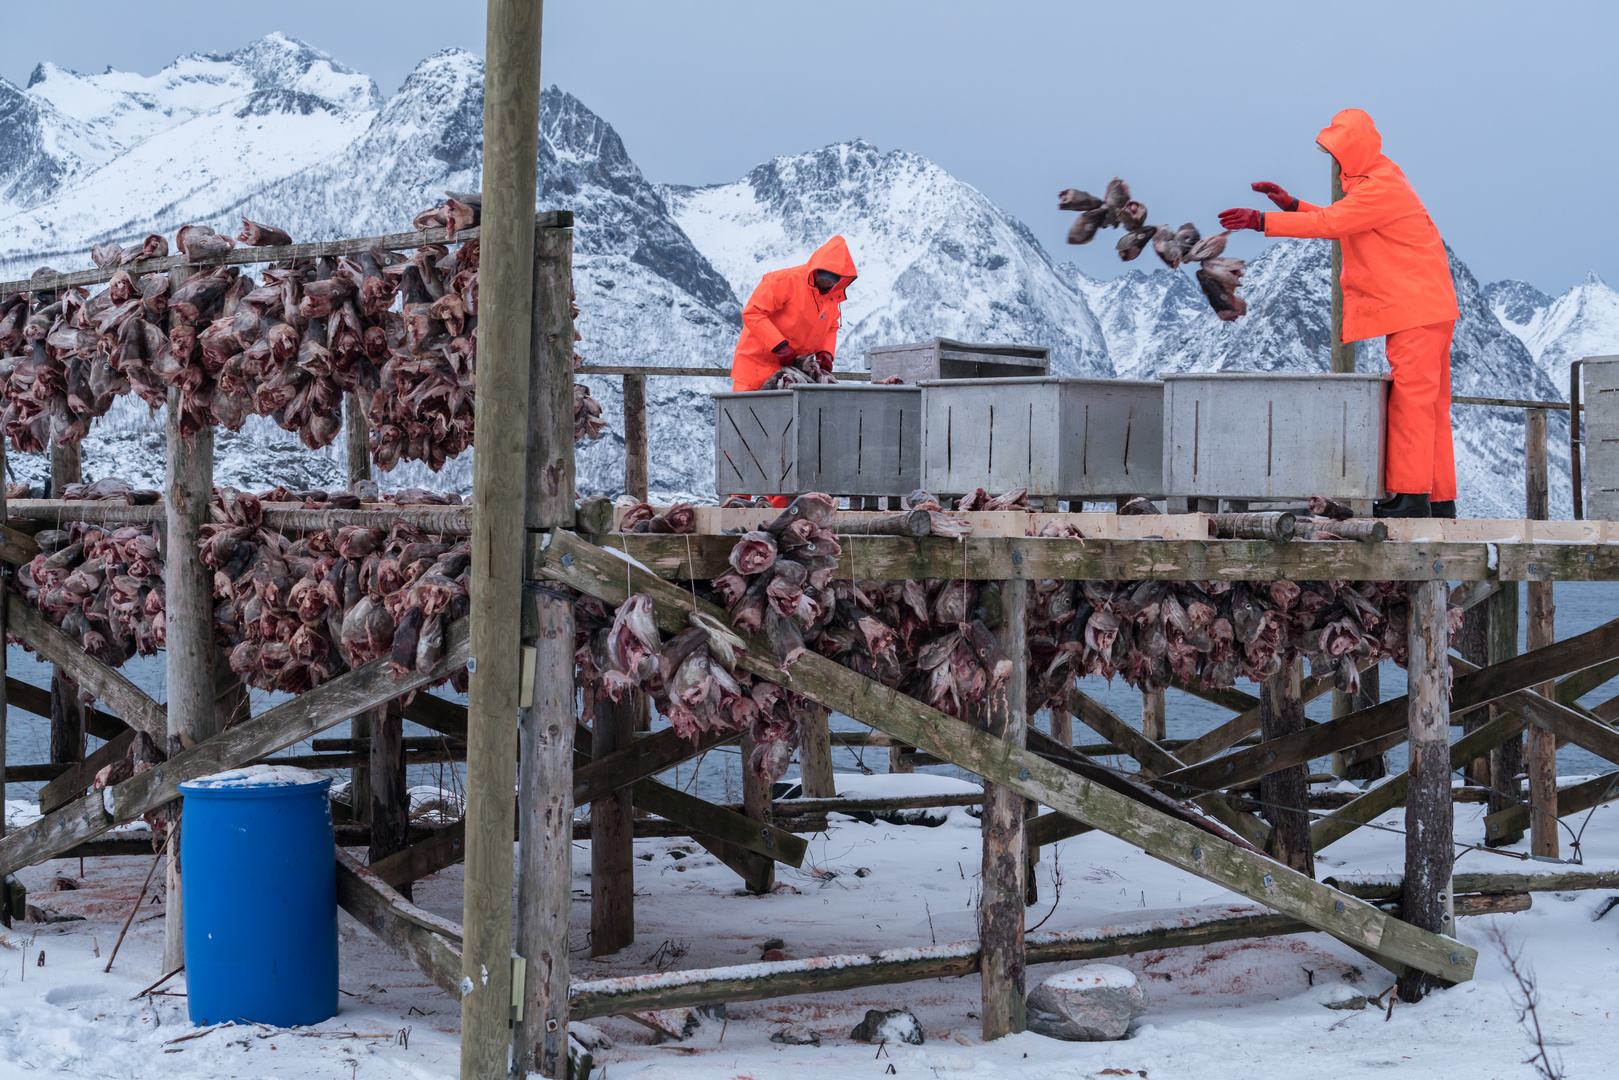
[601,574]
[1241,726]
[80,774]
[1468,692]
[1003,857]
[1389,886]
[660,751]
[1155,761]
[755,982]
[398,923]
[1034,558]
[37,700]
[1574,799]
[100,681]
[16,547]
[1562,722]
[760,838]
[1392,792]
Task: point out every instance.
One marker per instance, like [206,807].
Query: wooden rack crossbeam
[321,249]
[572,561]
[449,520]
[1036,558]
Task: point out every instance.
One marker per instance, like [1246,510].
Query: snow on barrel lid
[1092,977]
[254,776]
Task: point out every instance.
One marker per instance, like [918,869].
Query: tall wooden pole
[67,711]
[1506,760]
[390,793]
[635,454]
[815,756]
[511,118]
[5,889]
[357,444]
[1429,815]
[1540,745]
[1286,792]
[189,615]
[612,834]
[757,805]
[545,824]
[1376,766]
[1004,864]
[1152,715]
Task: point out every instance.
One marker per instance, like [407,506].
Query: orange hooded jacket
[786,306]
[1395,275]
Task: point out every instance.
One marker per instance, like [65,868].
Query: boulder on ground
[1091,1003]
[893,1026]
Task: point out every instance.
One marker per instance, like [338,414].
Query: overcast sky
[1500,113]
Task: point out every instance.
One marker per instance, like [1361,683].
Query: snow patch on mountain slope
[1582,322]
[43,149]
[936,258]
[129,108]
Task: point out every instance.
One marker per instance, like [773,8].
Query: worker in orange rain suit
[792,313]
[1396,282]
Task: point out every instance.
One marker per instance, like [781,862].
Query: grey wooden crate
[837,438]
[1067,438]
[944,358]
[753,445]
[1600,396]
[1253,435]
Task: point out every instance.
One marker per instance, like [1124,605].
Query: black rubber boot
[1403,506]
[1446,509]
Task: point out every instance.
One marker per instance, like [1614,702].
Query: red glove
[784,352]
[1278,195]
[1242,218]
[824,358]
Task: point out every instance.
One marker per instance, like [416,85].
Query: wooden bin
[836,438]
[1601,399]
[1261,436]
[1065,438]
[943,358]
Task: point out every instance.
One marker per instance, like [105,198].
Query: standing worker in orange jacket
[1396,282]
[792,313]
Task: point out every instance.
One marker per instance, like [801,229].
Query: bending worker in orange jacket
[1396,282]
[792,313]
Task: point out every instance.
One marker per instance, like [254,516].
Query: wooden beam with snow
[95,678]
[570,560]
[427,941]
[1574,799]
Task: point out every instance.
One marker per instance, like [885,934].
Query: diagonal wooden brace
[325,706]
[567,559]
[97,679]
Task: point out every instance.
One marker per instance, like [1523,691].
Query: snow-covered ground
[1239,1009]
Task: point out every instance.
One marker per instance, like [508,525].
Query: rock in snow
[893,1026]
[661,271]
[1091,1003]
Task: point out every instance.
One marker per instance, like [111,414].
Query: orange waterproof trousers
[1420,455]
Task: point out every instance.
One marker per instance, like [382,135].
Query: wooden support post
[1540,745]
[1429,813]
[1506,760]
[758,872]
[815,756]
[612,834]
[5,573]
[635,458]
[1343,353]
[1152,715]
[1062,726]
[1473,644]
[1286,792]
[189,610]
[513,337]
[357,442]
[1002,887]
[67,711]
[390,794]
[545,860]
[901,762]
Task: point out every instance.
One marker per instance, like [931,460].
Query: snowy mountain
[936,258]
[1582,322]
[279,132]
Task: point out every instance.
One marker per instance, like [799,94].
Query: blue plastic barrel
[258,874]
